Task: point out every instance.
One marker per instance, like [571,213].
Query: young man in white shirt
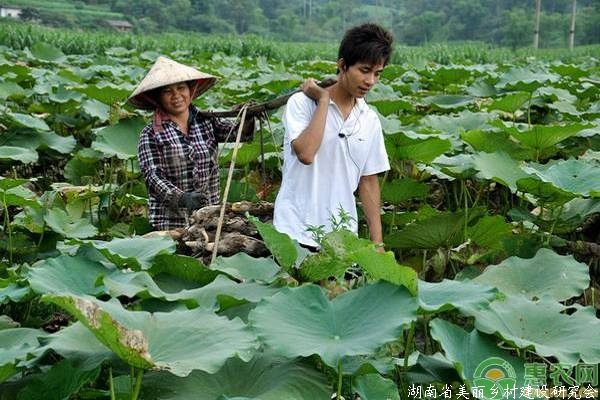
[334,144]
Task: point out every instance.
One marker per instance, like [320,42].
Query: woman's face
[175,98]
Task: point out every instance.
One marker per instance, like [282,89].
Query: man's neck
[342,98]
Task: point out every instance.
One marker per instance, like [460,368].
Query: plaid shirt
[173,164]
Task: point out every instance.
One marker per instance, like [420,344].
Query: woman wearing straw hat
[178,149]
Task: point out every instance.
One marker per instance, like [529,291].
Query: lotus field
[490,213]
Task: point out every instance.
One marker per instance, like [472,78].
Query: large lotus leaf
[569,71]
[141,284]
[16,73]
[106,93]
[580,209]
[546,274]
[43,140]
[96,109]
[540,136]
[185,268]
[590,132]
[448,101]
[243,267]
[11,90]
[441,230]
[564,107]
[434,368]
[263,378]
[468,351]
[17,345]
[68,226]
[391,106]
[222,290]
[489,231]
[119,140]
[544,191]
[47,52]
[405,148]
[543,327]
[80,170]
[78,343]
[60,382]
[491,142]
[7,322]
[20,196]
[24,155]
[482,88]
[302,321]
[62,144]
[404,189]
[511,102]
[499,167]
[27,121]
[279,244]
[448,294]
[178,341]
[134,252]
[455,124]
[556,94]
[458,166]
[62,95]
[8,183]
[390,124]
[247,153]
[13,292]
[375,387]
[66,274]
[446,75]
[524,79]
[573,176]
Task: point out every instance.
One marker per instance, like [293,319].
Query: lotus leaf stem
[339,387]
[111,384]
[138,385]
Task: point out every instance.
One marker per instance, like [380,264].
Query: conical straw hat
[166,72]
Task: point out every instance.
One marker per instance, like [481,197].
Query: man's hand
[311,88]
[192,201]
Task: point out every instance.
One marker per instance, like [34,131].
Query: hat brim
[166,72]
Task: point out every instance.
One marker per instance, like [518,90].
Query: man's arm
[370,197]
[308,142]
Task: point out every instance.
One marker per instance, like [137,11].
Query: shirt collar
[160,117]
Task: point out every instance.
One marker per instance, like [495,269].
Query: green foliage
[302,321]
[491,163]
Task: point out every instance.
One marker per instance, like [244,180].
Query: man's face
[359,78]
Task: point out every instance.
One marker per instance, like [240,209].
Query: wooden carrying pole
[228,184]
[262,107]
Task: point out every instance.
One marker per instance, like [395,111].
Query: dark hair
[368,42]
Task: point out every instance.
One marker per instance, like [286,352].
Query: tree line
[414,22]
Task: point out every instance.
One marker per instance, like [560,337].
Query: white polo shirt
[311,194]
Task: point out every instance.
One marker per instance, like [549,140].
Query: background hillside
[414,22]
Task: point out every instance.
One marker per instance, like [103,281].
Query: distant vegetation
[23,35]
[508,23]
